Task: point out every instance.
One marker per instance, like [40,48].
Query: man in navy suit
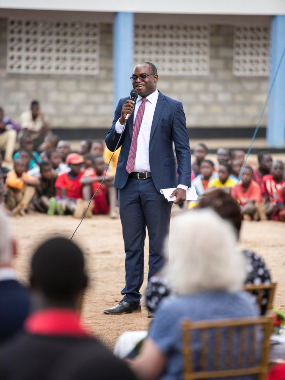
[146,165]
[14,300]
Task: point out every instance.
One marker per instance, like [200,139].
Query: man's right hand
[128,108]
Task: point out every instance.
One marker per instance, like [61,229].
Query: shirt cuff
[119,127]
[182,187]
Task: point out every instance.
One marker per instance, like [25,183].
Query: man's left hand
[180,195]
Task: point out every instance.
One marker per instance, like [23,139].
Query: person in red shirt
[105,198]
[265,164]
[277,372]
[271,184]
[69,189]
[248,194]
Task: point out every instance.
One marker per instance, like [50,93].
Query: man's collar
[7,274]
[56,322]
[152,98]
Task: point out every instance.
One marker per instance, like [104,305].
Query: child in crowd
[44,199]
[50,142]
[236,168]
[58,166]
[26,142]
[85,147]
[223,155]
[248,194]
[3,169]
[69,189]
[223,179]
[202,181]
[88,161]
[200,152]
[97,148]
[239,156]
[63,148]
[271,184]
[26,156]
[279,210]
[265,164]
[20,188]
[105,199]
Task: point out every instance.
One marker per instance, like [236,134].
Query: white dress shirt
[7,273]
[142,155]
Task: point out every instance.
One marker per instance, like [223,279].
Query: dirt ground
[102,242]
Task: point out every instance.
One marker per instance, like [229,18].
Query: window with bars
[251,51]
[53,47]
[175,49]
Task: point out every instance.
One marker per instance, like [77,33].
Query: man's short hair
[89,157]
[57,269]
[25,136]
[203,146]
[44,164]
[208,162]
[261,155]
[35,103]
[152,66]
[96,157]
[54,139]
[227,166]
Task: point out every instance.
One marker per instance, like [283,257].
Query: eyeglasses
[142,77]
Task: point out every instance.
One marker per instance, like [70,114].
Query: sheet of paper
[191,194]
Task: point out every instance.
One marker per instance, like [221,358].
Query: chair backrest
[230,347]
[261,290]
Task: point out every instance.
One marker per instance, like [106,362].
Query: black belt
[140,175]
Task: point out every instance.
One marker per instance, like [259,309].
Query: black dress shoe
[124,307]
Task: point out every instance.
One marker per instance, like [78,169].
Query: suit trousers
[141,206]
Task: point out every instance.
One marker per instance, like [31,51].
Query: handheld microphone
[133,97]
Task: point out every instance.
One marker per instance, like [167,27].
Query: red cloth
[60,322]
[192,175]
[205,183]
[277,373]
[257,177]
[101,205]
[73,187]
[270,187]
[252,193]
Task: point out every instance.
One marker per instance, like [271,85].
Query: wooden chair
[259,290]
[239,358]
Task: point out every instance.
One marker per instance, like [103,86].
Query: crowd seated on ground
[259,191]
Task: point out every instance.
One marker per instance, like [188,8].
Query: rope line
[258,124]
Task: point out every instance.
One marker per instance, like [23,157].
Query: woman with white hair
[206,272]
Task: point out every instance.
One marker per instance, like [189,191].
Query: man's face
[55,160]
[206,170]
[223,155]
[266,162]
[84,148]
[46,173]
[236,167]
[239,155]
[223,174]
[87,164]
[246,176]
[277,170]
[47,145]
[75,168]
[20,167]
[200,152]
[27,143]
[35,110]
[147,85]
[99,165]
[97,149]
[63,149]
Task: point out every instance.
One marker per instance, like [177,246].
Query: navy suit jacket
[14,308]
[168,126]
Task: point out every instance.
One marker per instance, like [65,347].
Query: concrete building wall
[217,100]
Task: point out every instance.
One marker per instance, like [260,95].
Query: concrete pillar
[275,133]
[123,54]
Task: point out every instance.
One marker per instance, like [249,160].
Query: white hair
[6,237]
[203,254]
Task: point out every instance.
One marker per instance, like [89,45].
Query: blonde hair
[6,237]
[203,254]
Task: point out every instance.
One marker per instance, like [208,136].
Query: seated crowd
[41,333]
